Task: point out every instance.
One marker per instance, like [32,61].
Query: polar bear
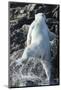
[38,39]
[38,42]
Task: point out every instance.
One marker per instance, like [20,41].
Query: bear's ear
[37,16]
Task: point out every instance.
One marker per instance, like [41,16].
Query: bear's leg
[47,68]
[24,57]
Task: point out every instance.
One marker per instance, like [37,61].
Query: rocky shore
[21,16]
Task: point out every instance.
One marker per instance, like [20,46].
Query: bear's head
[40,17]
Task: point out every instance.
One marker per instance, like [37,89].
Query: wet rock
[21,16]
[25,28]
[33,70]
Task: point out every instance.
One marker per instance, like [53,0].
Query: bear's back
[39,32]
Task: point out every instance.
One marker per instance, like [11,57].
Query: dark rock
[21,16]
[32,71]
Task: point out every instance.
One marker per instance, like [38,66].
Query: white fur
[38,42]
